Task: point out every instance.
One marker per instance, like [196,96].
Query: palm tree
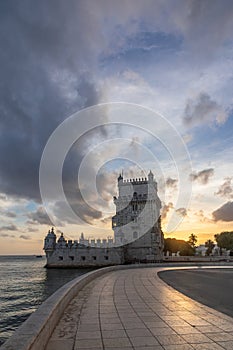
[209,244]
[192,240]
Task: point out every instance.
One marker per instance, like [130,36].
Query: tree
[186,249]
[224,240]
[192,240]
[209,244]
[173,245]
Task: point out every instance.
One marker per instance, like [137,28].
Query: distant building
[137,231]
[201,250]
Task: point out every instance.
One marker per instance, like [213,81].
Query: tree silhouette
[224,240]
[209,244]
[192,240]
[173,245]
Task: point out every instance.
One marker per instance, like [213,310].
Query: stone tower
[137,224]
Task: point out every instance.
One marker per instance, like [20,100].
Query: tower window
[135,235]
[60,257]
[83,258]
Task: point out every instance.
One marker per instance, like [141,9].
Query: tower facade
[137,223]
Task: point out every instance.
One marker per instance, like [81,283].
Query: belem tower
[137,232]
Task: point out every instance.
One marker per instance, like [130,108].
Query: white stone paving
[134,309]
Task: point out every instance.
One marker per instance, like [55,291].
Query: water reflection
[55,278]
[24,285]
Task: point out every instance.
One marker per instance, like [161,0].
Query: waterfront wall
[85,257]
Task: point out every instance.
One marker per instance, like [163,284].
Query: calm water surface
[24,285]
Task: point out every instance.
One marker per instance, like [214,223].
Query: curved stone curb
[37,329]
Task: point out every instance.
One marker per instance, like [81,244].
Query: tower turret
[50,242]
[120,179]
[150,177]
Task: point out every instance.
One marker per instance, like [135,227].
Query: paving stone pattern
[134,309]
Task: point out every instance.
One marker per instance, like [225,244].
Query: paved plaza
[134,309]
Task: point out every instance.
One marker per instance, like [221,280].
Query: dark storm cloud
[226,189]
[224,213]
[46,50]
[202,176]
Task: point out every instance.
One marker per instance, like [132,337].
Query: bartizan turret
[50,243]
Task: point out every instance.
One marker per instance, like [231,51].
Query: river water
[24,285]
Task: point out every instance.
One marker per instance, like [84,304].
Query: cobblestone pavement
[134,309]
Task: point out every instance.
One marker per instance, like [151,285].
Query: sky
[123,85]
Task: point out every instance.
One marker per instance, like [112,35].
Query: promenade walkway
[134,309]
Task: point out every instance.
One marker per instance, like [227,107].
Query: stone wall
[85,257]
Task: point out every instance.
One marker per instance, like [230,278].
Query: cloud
[165,210]
[226,189]
[10,227]
[4,229]
[187,138]
[182,212]
[107,220]
[205,24]
[25,237]
[62,72]
[39,90]
[8,214]
[39,217]
[172,183]
[203,110]
[83,211]
[202,176]
[200,214]
[31,229]
[224,213]
[6,235]
[52,64]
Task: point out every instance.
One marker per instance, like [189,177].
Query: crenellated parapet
[51,243]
